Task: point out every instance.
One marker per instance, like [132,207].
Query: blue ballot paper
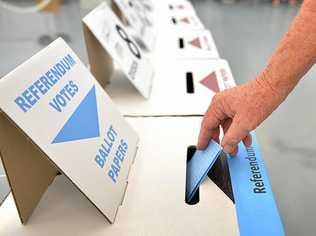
[199,166]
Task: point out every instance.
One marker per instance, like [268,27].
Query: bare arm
[241,109]
[296,52]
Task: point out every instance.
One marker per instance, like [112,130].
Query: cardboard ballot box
[179,88]
[171,87]
[154,203]
[55,118]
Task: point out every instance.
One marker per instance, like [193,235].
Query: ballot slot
[196,198]
[181,43]
[174,21]
[220,175]
[170,7]
[190,82]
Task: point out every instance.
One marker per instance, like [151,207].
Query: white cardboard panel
[169,92]
[114,37]
[197,44]
[154,202]
[140,21]
[185,21]
[56,78]
[180,7]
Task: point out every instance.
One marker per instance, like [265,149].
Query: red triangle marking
[196,42]
[210,82]
[185,20]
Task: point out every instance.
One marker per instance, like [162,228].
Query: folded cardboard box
[55,118]
[154,202]
[107,39]
[167,86]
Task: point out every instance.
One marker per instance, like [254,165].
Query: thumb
[235,133]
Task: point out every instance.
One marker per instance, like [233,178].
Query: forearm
[295,54]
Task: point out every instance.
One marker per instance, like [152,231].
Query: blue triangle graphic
[83,123]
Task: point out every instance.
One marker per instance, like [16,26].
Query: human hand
[238,111]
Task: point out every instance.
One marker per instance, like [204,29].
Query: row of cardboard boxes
[56,118]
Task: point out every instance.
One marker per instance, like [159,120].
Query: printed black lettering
[259,190]
[259,184]
[256,178]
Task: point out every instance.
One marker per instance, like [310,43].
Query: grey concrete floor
[4,188]
[246,34]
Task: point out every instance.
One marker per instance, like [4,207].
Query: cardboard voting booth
[180,88]
[107,39]
[196,44]
[154,203]
[184,94]
[56,118]
[140,21]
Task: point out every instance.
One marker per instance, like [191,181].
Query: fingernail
[228,149]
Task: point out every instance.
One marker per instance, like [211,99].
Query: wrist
[278,86]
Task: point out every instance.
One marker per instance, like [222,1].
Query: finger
[247,140]
[225,124]
[234,152]
[235,133]
[204,137]
[215,135]
[210,124]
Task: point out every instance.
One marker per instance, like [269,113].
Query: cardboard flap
[58,104]
[115,39]
[118,12]
[101,63]
[28,170]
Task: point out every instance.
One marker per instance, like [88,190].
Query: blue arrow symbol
[83,123]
